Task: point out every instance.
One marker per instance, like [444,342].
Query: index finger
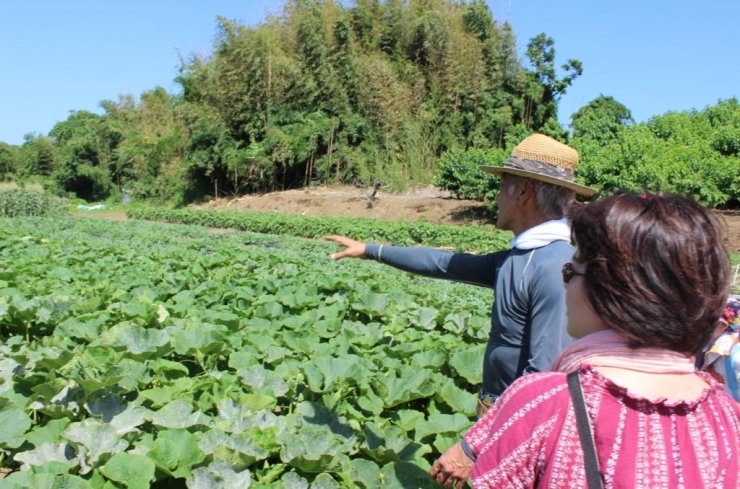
[335,238]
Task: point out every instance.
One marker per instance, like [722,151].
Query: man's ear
[525,191]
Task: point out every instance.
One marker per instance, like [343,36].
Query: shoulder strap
[593,475]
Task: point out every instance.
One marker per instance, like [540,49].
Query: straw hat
[540,157]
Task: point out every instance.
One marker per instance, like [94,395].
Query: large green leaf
[248,449]
[459,400]
[468,363]
[347,369]
[179,414]
[319,442]
[27,479]
[454,424]
[263,380]
[135,339]
[165,454]
[402,475]
[407,419]
[133,471]
[217,475]
[411,383]
[390,444]
[13,424]
[47,452]
[203,338]
[371,304]
[8,369]
[93,440]
[187,450]
[362,473]
[49,433]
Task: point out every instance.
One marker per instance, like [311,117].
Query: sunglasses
[569,273]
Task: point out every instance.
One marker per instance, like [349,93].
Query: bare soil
[428,204]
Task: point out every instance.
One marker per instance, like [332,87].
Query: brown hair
[657,271]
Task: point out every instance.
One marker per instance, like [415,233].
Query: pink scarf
[608,348]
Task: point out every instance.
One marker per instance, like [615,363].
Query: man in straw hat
[528,322]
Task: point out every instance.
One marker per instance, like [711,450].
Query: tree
[84,147]
[36,156]
[543,87]
[600,120]
[9,160]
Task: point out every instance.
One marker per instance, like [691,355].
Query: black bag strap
[585,433]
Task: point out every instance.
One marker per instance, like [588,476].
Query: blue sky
[653,56]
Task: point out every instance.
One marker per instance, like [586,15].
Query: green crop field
[139,354]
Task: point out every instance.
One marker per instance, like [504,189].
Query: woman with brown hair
[648,281]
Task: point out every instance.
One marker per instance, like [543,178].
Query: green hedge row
[21,202]
[459,238]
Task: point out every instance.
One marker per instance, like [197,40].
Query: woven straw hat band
[538,147]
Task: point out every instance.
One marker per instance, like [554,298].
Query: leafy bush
[21,202]
[690,153]
[459,172]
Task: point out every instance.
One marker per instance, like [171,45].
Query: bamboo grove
[322,93]
[407,92]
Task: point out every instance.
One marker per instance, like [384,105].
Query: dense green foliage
[460,238]
[399,92]
[136,352]
[325,92]
[693,153]
[459,172]
[21,202]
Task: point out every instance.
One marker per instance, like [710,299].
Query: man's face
[506,203]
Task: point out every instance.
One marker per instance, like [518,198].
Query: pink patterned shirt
[529,437]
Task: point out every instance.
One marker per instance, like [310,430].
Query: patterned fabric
[722,357]
[731,313]
[529,437]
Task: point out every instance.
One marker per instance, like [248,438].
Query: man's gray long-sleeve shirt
[529,295]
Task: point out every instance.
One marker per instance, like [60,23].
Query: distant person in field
[624,407]
[528,315]
[722,357]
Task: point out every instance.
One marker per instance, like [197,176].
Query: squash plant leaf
[13,424]
[179,414]
[133,471]
[401,475]
[390,444]
[263,380]
[47,452]
[134,338]
[93,439]
[467,363]
[217,475]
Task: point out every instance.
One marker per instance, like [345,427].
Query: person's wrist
[467,450]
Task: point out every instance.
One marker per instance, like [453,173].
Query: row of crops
[138,354]
[460,238]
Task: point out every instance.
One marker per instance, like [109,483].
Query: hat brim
[579,189]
